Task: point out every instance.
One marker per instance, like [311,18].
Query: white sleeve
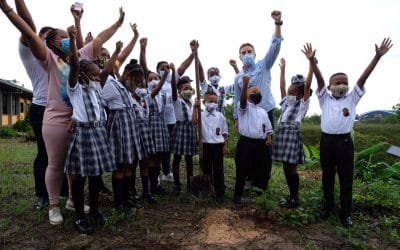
[356,94]
[322,95]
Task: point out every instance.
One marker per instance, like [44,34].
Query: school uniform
[336,146]
[146,141]
[184,139]
[288,146]
[157,126]
[89,151]
[124,139]
[214,128]
[252,155]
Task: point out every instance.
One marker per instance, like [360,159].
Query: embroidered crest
[345,112]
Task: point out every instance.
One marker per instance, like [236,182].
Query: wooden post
[199,127]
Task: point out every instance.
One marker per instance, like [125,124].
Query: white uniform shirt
[78,106]
[112,95]
[304,106]
[338,114]
[166,101]
[36,73]
[254,122]
[179,112]
[214,127]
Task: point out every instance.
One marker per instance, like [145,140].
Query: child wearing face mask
[213,86]
[215,144]
[337,119]
[89,151]
[288,146]
[252,154]
[184,139]
[156,126]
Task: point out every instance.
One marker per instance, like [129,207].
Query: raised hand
[232,63]
[246,80]
[143,42]
[282,63]
[384,47]
[172,67]
[118,46]
[121,16]
[77,14]
[308,51]
[194,45]
[134,29]
[72,32]
[276,15]
[88,38]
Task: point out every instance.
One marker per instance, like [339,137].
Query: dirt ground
[183,227]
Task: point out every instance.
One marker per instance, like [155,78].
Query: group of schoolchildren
[140,117]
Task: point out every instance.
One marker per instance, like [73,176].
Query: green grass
[376,205]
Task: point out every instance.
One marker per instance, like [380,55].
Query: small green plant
[263,201]
[22,125]
[7,133]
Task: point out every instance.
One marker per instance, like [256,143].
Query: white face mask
[339,90]
[152,85]
[141,92]
[291,99]
[94,84]
[211,106]
[186,94]
[215,79]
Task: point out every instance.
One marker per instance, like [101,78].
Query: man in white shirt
[337,119]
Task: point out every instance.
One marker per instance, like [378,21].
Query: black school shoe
[237,200]
[289,203]
[346,221]
[83,227]
[149,199]
[42,202]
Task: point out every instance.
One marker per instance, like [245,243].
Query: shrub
[22,126]
[7,133]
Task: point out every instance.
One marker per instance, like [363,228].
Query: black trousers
[213,165]
[253,158]
[166,156]
[337,155]
[36,113]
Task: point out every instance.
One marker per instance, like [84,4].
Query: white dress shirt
[338,114]
[79,112]
[112,95]
[254,122]
[214,127]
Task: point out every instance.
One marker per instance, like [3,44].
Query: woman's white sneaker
[55,216]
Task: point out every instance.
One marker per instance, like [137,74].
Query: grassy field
[185,222]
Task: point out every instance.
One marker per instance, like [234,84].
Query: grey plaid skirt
[89,152]
[288,146]
[184,139]
[124,140]
[145,136]
[159,132]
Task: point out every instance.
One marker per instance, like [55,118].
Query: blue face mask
[248,60]
[65,46]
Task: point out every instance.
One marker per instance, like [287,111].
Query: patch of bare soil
[311,175]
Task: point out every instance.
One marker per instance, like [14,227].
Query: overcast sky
[343,32]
